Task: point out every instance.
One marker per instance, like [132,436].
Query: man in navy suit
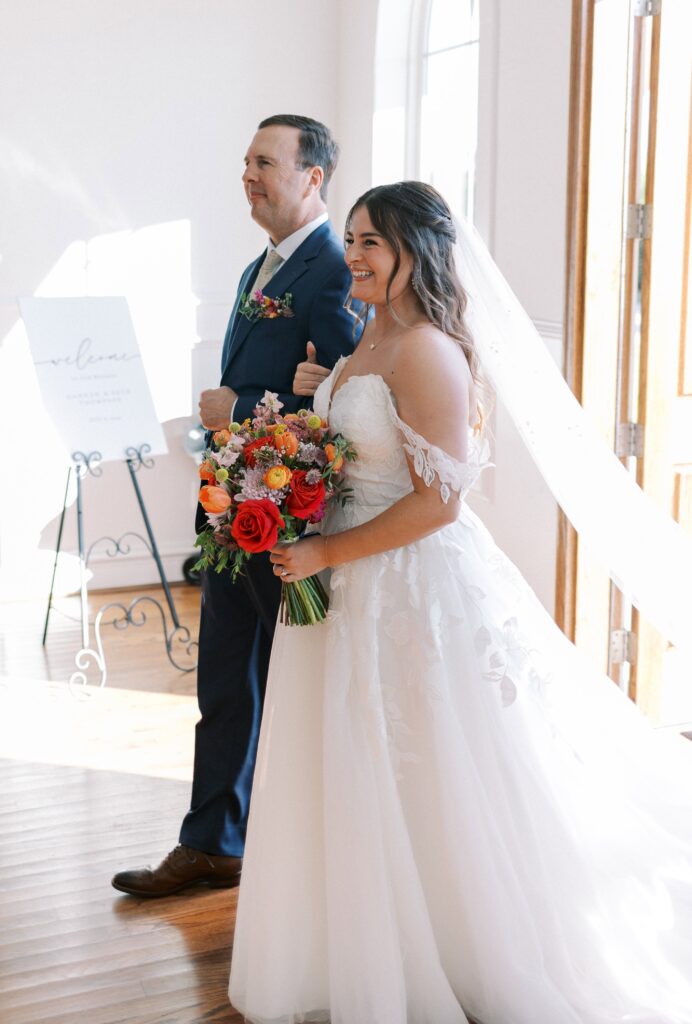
[287,170]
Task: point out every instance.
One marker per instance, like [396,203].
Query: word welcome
[84,358]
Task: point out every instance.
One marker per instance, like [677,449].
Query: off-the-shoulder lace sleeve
[438,469]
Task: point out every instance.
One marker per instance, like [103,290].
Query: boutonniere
[258,306]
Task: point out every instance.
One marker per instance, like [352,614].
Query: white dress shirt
[289,245]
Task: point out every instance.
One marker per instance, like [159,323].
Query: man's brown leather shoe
[182,868]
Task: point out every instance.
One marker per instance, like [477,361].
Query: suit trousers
[235,637]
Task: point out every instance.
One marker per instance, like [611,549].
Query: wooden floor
[88,787]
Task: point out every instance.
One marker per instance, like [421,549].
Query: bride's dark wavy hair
[413,216]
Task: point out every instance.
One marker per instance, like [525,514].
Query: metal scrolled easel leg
[179,634]
[55,562]
[154,548]
[83,465]
[83,596]
[135,614]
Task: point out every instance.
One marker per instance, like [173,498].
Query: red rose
[256,525]
[304,500]
[251,447]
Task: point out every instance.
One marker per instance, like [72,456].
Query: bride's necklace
[388,334]
[378,341]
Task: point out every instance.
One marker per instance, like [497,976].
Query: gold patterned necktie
[272,261]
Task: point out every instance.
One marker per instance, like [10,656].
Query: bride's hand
[309,375]
[297,561]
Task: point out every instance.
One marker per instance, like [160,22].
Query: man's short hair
[317,147]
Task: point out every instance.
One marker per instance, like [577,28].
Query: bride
[454,817]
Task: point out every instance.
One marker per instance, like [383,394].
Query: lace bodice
[364,411]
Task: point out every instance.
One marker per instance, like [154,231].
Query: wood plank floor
[88,787]
[135,656]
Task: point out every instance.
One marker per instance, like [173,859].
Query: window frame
[419,54]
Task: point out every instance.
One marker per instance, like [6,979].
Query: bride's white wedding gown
[454,815]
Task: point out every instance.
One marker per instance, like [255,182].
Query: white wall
[357,30]
[118,119]
[525,60]
[124,125]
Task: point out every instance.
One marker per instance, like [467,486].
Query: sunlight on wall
[449,102]
[389,135]
[151,268]
[28,441]
[389,139]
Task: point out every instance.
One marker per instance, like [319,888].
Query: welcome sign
[91,375]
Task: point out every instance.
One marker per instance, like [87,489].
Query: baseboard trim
[137,568]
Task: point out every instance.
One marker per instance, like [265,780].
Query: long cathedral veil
[645,551]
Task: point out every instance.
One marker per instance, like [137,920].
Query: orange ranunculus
[277,477]
[207,472]
[286,443]
[291,417]
[334,456]
[221,437]
[214,499]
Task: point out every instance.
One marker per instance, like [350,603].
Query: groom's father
[287,170]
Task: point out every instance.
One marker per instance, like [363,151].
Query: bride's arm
[431,382]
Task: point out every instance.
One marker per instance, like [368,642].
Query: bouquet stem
[303,603]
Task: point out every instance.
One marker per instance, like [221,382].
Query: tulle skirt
[456,817]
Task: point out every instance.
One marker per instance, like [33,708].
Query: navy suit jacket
[262,355]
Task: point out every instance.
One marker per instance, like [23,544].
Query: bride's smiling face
[371,260]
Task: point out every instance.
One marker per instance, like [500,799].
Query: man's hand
[309,375]
[215,407]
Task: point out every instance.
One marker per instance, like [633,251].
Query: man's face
[276,188]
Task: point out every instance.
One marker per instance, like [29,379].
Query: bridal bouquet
[264,480]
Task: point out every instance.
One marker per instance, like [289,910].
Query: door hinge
[639,217]
[623,647]
[647,8]
[629,440]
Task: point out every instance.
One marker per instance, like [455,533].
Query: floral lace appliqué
[433,464]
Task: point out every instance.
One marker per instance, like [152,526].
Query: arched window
[448,132]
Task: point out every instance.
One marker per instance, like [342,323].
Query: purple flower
[253,487]
[319,514]
[312,453]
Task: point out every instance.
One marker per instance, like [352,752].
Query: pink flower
[227,457]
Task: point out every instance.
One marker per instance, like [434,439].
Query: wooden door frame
[578,153]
